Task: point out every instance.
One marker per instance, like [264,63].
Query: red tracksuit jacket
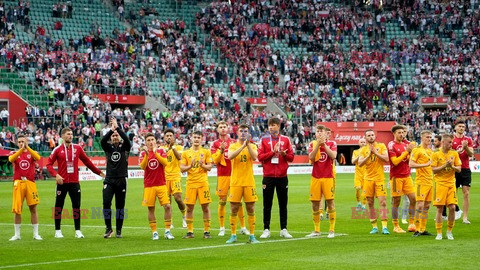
[265,155]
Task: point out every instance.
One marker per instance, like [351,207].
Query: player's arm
[355,158]
[288,153]
[144,160]
[362,160]
[83,157]
[15,155]
[396,160]
[412,163]
[51,159]
[381,156]
[468,148]
[35,154]
[104,141]
[184,166]
[233,154]
[314,152]
[127,145]
[264,153]
[457,163]
[252,151]
[207,165]
[331,153]
[161,159]
[177,154]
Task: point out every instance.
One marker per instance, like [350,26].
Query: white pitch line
[151,253]
[130,227]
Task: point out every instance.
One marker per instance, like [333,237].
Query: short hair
[438,137]
[243,126]
[321,127]
[197,132]
[459,122]
[222,123]
[397,127]
[327,129]
[368,130]
[425,132]
[21,135]
[447,136]
[169,130]
[65,130]
[149,134]
[274,121]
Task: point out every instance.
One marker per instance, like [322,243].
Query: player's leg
[152,222]
[167,217]
[315,198]
[396,191]
[190,200]
[181,206]
[282,197]
[466,203]
[268,189]
[107,193]
[32,201]
[120,197]
[223,185]
[358,197]
[451,220]
[411,212]
[205,200]
[382,202]
[61,193]
[18,197]
[418,217]
[424,218]
[439,221]
[250,206]
[75,195]
[328,192]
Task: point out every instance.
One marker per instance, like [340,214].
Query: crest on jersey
[115,156]
[323,157]
[153,164]
[460,149]
[29,156]
[24,165]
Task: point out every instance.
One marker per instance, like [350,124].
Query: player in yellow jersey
[421,160]
[173,175]
[242,154]
[444,165]
[359,176]
[197,162]
[373,156]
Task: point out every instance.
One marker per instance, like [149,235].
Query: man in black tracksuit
[116,180]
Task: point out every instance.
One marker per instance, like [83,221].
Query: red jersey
[222,170]
[154,172]
[68,157]
[266,154]
[457,146]
[395,149]
[24,166]
[323,165]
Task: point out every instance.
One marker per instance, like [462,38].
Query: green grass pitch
[355,250]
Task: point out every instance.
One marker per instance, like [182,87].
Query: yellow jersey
[359,171]
[374,166]
[172,170]
[424,175]
[242,166]
[445,177]
[196,176]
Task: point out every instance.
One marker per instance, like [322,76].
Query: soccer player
[242,154]
[219,150]
[400,181]
[275,152]
[67,156]
[373,156]
[359,176]
[464,146]
[421,160]
[437,143]
[24,186]
[197,162]
[153,162]
[115,183]
[444,165]
[322,154]
[173,175]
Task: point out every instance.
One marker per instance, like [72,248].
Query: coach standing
[274,152]
[67,156]
[116,180]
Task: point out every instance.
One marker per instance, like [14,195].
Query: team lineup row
[438,173]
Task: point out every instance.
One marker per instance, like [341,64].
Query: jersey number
[206,194]
[169,158]
[243,158]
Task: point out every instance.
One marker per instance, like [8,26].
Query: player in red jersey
[464,146]
[400,181]
[219,150]
[24,187]
[67,156]
[153,162]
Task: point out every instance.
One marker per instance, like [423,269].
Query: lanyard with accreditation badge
[275,158]
[70,168]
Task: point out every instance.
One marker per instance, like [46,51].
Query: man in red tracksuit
[67,156]
[275,151]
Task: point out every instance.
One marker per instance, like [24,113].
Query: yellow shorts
[444,195]
[322,186]
[202,193]
[174,186]
[424,193]
[223,184]
[373,188]
[358,182]
[150,194]
[24,189]
[249,194]
[401,186]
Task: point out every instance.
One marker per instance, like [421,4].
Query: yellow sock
[418,219]
[206,225]
[374,223]
[364,199]
[241,216]
[233,224]
[395,222]
[450,225]
[384,223]
[251,222]
[358,195]
[332,218]
[153,225]
[321,211]
[316,221]
[423,221]
[221,213]
[411,219]
[190,225]
[168,224]
[438,226]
